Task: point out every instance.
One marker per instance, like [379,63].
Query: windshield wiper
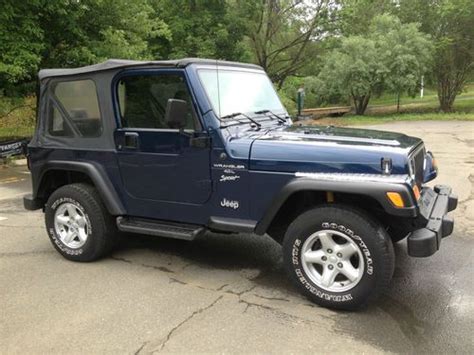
[235,114]
[279,118]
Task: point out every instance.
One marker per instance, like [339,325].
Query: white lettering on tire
[295,253]
[295,256]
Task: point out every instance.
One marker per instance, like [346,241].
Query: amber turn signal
[416,191]
[396,199]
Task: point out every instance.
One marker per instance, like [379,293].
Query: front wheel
[338,256]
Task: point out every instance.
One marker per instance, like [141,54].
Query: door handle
[131,140]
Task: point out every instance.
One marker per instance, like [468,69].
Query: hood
[330,149]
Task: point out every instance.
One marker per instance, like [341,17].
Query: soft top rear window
[75,109]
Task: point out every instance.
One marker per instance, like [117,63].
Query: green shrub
[17,117]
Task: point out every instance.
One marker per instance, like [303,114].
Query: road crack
[251,304]
[222,287]
[174,329]
[222,291]
[272,298]
[471,192]
[148,266]
[240,294]
[173,280]
[140,348]
[121,259]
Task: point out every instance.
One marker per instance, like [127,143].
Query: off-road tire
[369,236]
[103,231]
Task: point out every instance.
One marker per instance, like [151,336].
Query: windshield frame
[226,68]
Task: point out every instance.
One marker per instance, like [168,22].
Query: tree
[454,50]
[353,70]
[406,54]
[281,32]
[391,56]
[354,17]
[21,41]
[451,25]
[200,28]
[46,34]
[88,31]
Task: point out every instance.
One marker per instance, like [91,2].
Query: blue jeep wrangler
[178,148]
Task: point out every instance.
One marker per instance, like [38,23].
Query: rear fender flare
[98,176]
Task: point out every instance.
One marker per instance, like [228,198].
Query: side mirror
[176,113]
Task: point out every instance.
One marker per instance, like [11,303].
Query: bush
[17,117]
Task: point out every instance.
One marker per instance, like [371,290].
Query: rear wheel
[78,224]
[338,256]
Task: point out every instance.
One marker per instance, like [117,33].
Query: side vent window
[58,126]
[74,110]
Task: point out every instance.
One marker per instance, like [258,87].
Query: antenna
[218,89]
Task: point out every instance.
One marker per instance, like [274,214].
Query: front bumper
[434,207]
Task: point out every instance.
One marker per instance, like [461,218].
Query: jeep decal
[230,204]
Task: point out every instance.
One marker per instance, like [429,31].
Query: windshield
[232,91]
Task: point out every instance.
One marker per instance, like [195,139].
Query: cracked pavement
[225,293]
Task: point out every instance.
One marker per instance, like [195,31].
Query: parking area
[226,293]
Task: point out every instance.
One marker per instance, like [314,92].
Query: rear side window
[75,110]
[143,100]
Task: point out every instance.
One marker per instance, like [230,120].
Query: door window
[143,100]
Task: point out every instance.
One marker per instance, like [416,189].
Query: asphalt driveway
[225,293]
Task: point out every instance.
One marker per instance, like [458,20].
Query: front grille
[417,160]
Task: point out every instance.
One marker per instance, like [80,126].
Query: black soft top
[123,63]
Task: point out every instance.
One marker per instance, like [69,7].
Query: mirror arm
[181,131]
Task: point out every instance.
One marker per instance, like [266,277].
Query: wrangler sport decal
[229,166]
[225,178]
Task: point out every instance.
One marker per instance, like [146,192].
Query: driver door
[161,166]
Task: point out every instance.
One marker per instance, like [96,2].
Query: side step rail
[159,228]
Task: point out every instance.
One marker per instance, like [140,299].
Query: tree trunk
[445,93]
[398,102]
[365,103]
[449,86]
[445,106]
[360,103]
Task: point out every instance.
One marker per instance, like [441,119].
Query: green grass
[16,132]
[383,109]
[391,99]
[387,103]
[351,120]
[17,117]
[429,100]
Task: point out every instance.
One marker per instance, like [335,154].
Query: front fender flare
[374,189]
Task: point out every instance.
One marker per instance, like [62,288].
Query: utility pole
[422,87]
[300,99]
